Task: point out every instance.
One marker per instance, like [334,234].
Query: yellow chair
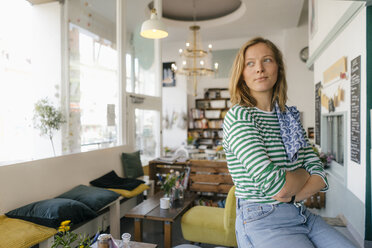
[211,225]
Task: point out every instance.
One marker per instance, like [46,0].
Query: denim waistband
[240,202]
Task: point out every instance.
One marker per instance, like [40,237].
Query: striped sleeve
[245,142]
[313,165]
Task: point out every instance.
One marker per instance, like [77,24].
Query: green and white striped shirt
[256,156]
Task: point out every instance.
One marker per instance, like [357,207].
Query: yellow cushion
[230,211]
[211,225]
[131,193]
[205,225]
[18,233]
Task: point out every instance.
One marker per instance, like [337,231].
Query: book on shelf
[197,113]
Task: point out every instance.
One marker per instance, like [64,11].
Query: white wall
[328,12]
[174,101]
[27,182]
[301,92]
[351,42]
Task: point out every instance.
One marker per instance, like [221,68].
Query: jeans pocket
[256,211]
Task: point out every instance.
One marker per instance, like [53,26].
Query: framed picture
[310,132]
[169,79]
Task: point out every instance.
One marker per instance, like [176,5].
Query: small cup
[126,239]
[164,203]
[104,240]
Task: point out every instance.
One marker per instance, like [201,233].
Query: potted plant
[47,119]
[65,238]
[326,159]
[171,181]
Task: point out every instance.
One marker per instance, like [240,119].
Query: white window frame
[337,170]
[121,47]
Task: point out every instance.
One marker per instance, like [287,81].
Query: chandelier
[195,60]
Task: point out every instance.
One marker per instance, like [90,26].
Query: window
[333,141]
[144,102]
[93,85]
[30,65]
[335,137]
[147,134]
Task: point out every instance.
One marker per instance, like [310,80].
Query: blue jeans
[284,225]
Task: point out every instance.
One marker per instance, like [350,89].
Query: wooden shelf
[206,119]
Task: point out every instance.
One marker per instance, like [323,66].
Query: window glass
[335,137]
[147,136]
[94,92]
[142,61]
[29,71]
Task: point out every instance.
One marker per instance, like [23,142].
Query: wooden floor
[153,232]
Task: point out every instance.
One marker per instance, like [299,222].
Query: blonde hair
[239,91]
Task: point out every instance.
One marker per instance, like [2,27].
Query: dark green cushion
[112,181]
[93,197]
[132,164]
[53,211]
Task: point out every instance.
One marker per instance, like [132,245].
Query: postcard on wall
[169,79]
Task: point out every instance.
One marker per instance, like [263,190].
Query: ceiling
[260,17]
[199,10]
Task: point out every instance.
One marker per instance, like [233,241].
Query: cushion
[53,211]
[93,197]
[112,180]
[204,224]
[131,193]
[22,234]
[132,164]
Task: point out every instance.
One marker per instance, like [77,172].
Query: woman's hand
[312,186]
[295,181]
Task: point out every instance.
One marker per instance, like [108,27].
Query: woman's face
[260,69]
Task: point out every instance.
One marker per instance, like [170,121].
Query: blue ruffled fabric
[291,131]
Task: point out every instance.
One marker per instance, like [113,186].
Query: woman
[271,163]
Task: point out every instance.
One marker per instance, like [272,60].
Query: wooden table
[150,209]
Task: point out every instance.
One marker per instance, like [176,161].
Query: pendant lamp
[154,28]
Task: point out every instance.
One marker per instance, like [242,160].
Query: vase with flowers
[172,184]
[326,159]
